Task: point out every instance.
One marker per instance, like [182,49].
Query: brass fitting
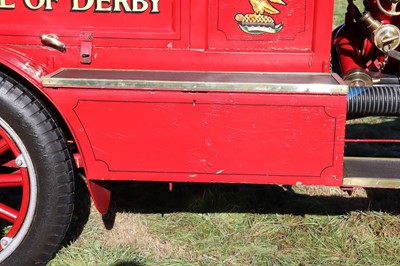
[357,77]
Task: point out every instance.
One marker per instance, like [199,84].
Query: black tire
[28,123]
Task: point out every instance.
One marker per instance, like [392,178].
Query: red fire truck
[238,91]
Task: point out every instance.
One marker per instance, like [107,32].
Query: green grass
[340,10]
[243,224]
[240,225]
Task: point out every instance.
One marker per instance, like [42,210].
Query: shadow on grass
[137,197]
[127,263]
[373,128]
[80,215]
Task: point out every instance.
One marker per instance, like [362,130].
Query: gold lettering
[100,8]
[39,4]
[4,5]
[76,7]
[48,4]
[125,6]
[154,6]
[139,5]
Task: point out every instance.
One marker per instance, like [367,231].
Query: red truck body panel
[155,133]
[133,133]
[205,91]
[225,137]
[194,35]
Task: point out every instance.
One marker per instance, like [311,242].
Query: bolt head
[4,242]
[19,162]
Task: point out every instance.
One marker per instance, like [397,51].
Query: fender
[33,72]
[23,65]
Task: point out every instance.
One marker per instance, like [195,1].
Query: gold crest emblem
[260,21]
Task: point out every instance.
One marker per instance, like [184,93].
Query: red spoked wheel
[36,178]
[17,180]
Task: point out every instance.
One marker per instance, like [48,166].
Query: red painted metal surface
[187,137]
[194,35]
[207,137]
[101,194]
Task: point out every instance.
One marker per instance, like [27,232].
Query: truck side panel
[263,138]
[195,35]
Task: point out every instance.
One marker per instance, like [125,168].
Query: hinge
[86,47]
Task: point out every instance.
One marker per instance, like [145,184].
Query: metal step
[323,83]
[371,172]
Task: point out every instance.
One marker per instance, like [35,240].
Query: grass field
[239,225]
[199,224]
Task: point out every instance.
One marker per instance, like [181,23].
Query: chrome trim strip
[371,172]
[319,83]
[368,182]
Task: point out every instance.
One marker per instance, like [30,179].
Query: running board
[322,83]
[371,172]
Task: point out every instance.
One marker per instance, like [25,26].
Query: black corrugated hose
[370,101]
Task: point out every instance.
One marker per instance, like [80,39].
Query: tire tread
[54,143]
